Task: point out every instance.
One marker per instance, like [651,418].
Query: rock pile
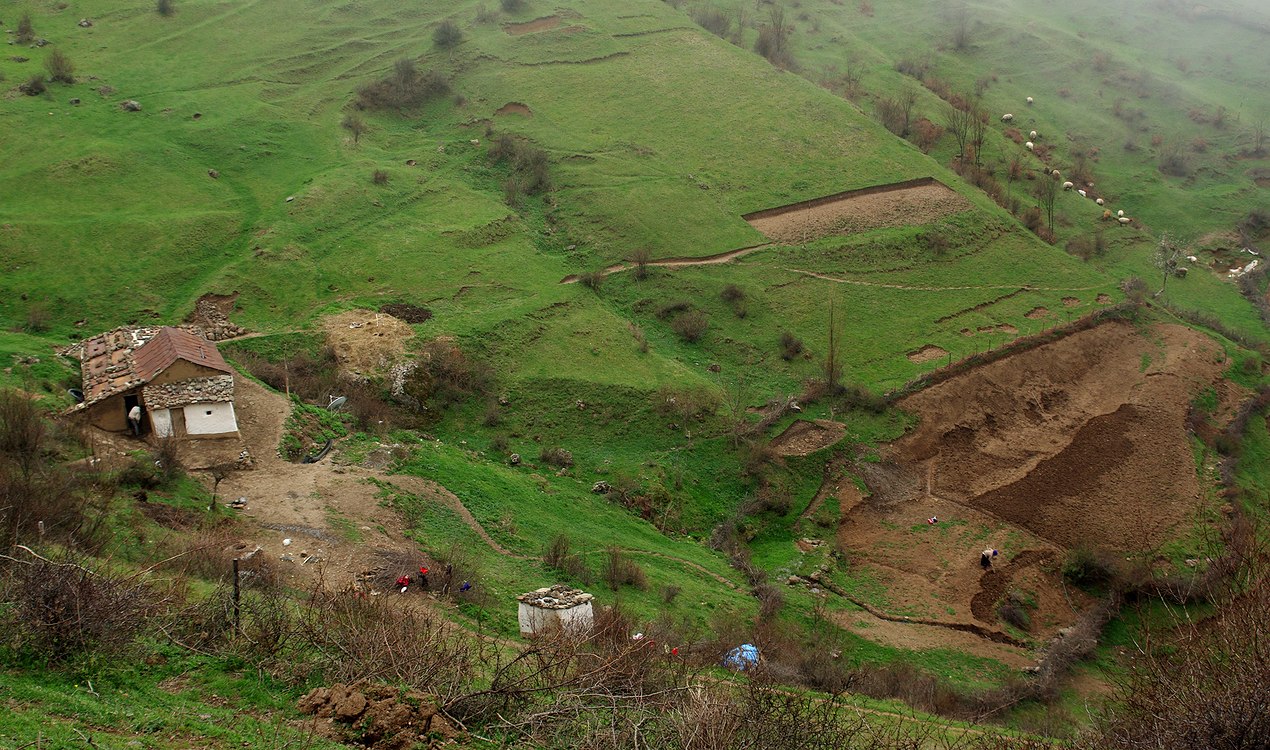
[377,717]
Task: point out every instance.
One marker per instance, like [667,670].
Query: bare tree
[957,122]
[960,28]
[1167,253]
[641,257]
[978,129]
[354,124]
[1259,137]
[833,364]
[1046,193]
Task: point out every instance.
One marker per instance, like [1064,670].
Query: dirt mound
[546,23]
[905,204]
[407,312]
[804,437]
[514,108]
[1036,313]
[367,342]
[377,717]
[928,353]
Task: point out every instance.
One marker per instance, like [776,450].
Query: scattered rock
[197,115]
[74,102]
[411,162]
[514,459]
[290,198]
[213,174]
[571,247]
[131,105]
[601,488]
[84,23]
[715,367]
[19,59]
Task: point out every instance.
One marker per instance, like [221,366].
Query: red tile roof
[171,344]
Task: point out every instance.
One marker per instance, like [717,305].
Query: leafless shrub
[59,609]
[34,85]
[773,39]
[59,67]
[641,258]
[712,19]
[379,177]
[364,638]
[447,34]
[791,346]
[164,7]
[512,6]
[592,280]
[558,457]
[557,555]
[25,31]
[485,15]
[619,570]
[691,326]
[406,88]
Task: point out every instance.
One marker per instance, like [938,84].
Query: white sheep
[1034,136]
[1007,117]
[1030,146]
[1120,213]
[1124,220]
[1056,173]
[1083,194]
[1068,185]
[1029,100]
[1100,201]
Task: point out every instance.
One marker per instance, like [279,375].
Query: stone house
[179,379]
[555,607]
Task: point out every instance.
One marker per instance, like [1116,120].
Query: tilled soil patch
[859,212]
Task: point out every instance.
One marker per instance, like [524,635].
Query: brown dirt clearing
[366,341]
[1078,442]
[859,211]
[928,353]
[804,437]
[546,23]
[514,108]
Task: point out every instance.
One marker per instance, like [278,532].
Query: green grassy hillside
[236,177]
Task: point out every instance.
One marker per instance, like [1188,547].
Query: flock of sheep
[1068,185]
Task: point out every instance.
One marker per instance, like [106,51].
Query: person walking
[134,420]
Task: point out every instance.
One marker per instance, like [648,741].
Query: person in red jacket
[423,577]
[403,582]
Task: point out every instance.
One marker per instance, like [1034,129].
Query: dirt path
[704,260]
[332,513]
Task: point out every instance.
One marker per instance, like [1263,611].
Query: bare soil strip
[803,437]
[545,23]
[900,204]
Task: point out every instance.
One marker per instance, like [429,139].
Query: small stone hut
[555,607]
[181,382]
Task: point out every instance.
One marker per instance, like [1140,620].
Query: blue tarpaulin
[742,657]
